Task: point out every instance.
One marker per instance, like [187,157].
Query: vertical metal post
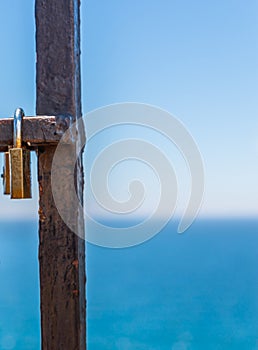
[61,252]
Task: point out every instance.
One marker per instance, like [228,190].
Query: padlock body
[20,173]
[6,174]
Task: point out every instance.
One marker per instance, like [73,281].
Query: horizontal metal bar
[36,131]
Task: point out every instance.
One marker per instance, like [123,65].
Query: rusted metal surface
[61,252]
[36,131]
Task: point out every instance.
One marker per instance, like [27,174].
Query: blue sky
[196,59]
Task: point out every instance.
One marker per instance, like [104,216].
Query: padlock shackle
[17,127]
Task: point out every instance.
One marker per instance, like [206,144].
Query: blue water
[191,292]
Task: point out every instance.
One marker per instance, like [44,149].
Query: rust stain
[40,189]
[76,292]
[75,263]
[42,216]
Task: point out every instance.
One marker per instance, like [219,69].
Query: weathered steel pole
[61,252]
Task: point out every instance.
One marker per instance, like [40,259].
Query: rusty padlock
[19,161]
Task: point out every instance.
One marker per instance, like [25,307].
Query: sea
[191,291]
